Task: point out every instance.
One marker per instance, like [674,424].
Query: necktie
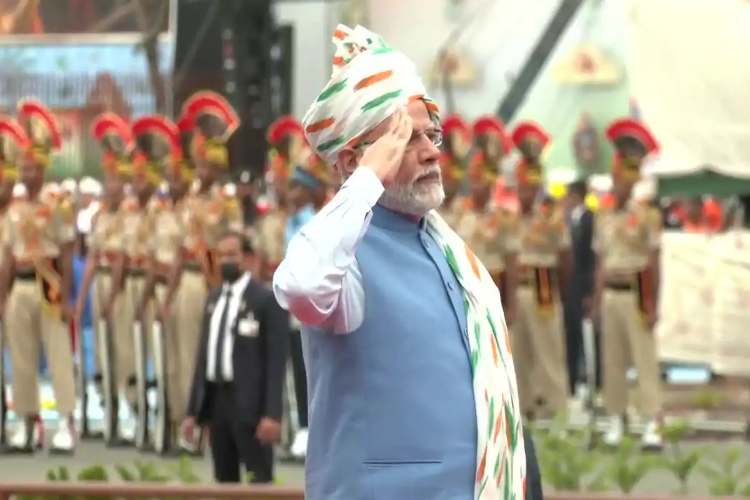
[222,337]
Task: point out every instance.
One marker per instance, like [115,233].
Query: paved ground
[35,467]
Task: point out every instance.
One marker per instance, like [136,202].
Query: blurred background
[573,66]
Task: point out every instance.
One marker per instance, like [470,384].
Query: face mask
[230,271]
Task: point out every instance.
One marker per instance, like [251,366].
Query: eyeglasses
[435,136]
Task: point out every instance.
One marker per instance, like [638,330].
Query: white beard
[412,198]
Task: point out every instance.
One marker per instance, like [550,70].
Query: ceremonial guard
[626,242]
[206,215]
[457,137]
[285,135]
[11,138]
[490,231]
[39,234]
[157,142]
[166,245]
[112,339]
[544,265]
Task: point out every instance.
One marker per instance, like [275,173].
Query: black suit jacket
[581,234]
[259,361]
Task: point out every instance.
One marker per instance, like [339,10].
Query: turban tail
[370,82]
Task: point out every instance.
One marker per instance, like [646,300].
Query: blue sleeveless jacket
[391,404]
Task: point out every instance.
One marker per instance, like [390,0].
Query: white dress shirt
[237,290]
[319,280]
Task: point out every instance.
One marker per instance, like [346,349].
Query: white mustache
[432,169]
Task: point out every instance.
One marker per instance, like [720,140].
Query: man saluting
[411,383]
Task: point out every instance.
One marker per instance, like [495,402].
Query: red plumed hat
[455,123]
[212,114]
[490,124]
[282,127]
[631,137]
[41,126]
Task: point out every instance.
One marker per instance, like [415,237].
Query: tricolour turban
[370,82]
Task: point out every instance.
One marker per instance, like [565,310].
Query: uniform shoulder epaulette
[129,204]
[65,205]
[159,203]
[231,204]
[65,209]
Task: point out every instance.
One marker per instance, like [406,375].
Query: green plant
[124,473]
[566,463]
[149,473]
[726,474]
[183,471]
[62,474]
[93,473]
[679,462]
[629,466]
[59,474]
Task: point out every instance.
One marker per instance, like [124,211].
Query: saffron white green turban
[370,82]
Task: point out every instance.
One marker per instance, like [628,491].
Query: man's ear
[346,163]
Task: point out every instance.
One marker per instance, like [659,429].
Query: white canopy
[689,71]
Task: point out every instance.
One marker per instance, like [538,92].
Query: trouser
[120,339]
[190,302]
[626,338]
[134,287]
[533,474]
[538,353]
[175,398]
[573,314]
[300,377]
[31,322]
[233,441]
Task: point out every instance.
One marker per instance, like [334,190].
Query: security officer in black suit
[581,284]
[237,386]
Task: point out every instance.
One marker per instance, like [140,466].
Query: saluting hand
[385,154]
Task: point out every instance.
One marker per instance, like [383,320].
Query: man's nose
[428,152]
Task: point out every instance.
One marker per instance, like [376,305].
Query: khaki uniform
[491,234]
[206,218]
[538,343]
[105,243]
[165,245]
[269,241]
[138,229]
[623,241]
[35,232]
